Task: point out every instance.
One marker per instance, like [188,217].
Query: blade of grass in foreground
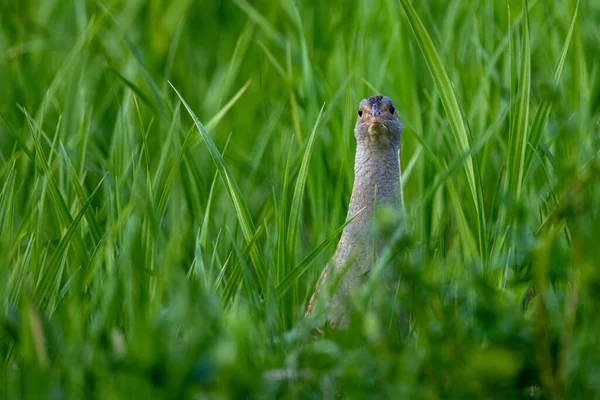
[517,138]
[234,192]
[237,271]
[57,262]
[91,217]
[189,143]
[6,207]
[60,204]
[205,221]
[457,123]
[543,111]
[301,268]
[451,169]
[283,259]
[296,205]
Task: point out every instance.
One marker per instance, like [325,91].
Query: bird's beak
[377,115]
[377,122]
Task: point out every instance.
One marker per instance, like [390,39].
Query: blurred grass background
[142,255]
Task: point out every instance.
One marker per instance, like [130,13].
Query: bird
[377,131]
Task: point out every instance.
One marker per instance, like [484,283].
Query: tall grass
[175,175]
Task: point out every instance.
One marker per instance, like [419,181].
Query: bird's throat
[376,179]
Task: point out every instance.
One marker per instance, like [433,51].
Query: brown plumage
[376,176]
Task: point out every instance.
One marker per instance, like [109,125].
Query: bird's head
[378,123]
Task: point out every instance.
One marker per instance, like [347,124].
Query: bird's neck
[376,179]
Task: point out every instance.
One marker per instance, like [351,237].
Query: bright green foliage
[174,175]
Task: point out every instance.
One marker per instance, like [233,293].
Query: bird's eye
[360,112]
[392,110]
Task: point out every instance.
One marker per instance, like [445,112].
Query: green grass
[175,175]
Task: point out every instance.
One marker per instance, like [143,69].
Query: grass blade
[455,117]
[237,200]
[294,221]
[302,267]
[539,121]
[58,260]
[517,141]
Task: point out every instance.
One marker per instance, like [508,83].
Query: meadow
[174,175]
